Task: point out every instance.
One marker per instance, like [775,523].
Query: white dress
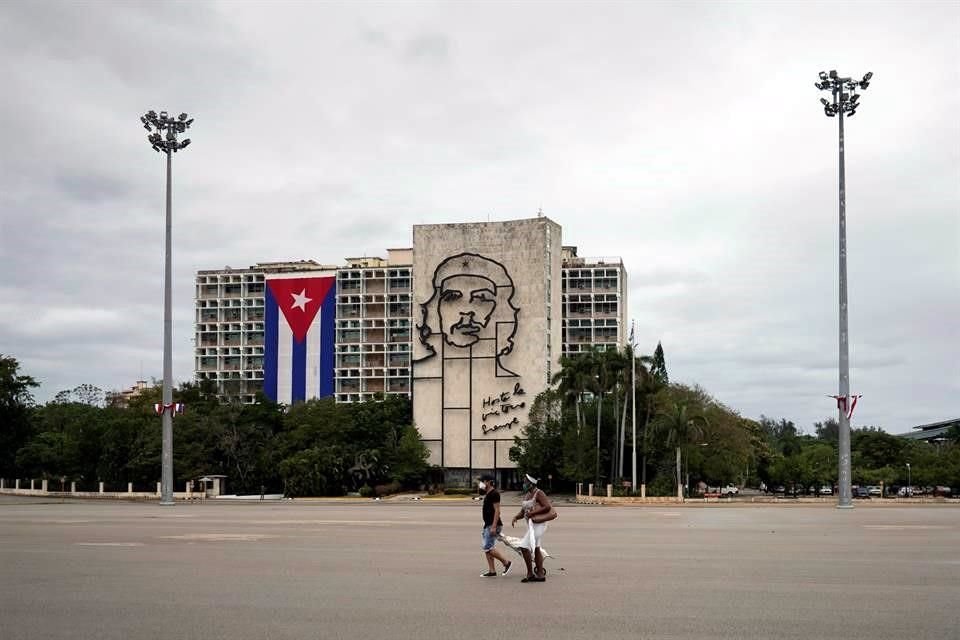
[534,534]
[535,530]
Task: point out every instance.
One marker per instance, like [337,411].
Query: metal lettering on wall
[496,408]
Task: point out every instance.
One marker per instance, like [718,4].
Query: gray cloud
[429,46]
[686,139]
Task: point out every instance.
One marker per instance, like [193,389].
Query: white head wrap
[531,479]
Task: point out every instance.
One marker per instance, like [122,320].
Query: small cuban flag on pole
[173,407]
[847,403]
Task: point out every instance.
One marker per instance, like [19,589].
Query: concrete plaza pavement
[104,570]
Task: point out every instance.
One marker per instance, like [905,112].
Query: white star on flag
[300,300]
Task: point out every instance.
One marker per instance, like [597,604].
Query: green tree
[658,367]
[873,449]
[650,384]
[828,430]
[316,471]
[86,393]
[623,386]
[573,380]
[817,465]
[65,442]
[953,434]
[541,452]
[16,420]
[578,453]
[601,365]
[680,427]
[409,460]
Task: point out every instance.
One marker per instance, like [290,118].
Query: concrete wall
[472,388]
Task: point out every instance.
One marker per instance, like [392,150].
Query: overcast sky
[686,138]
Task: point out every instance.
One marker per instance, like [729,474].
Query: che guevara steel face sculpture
[472,302]
[469,323]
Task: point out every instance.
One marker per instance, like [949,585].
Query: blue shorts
[490,537]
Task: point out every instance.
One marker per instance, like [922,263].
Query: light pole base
[844,506]
[169,503]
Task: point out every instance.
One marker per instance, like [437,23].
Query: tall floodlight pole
[167,143]
[633,406]
[844,102]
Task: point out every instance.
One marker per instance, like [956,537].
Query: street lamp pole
[909,482]
[633,406]
[844,102]
[168,144]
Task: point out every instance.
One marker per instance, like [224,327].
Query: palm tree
[680,428]
[620,367]
[573,380]
[601,365]
[621,380]
[650,384]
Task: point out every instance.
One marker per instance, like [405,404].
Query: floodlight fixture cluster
[845,98]
[157,123]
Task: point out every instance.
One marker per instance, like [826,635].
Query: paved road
[386,571]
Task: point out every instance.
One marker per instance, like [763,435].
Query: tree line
[579,430]
[312,448]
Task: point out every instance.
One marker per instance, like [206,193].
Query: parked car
[730,490]
[826,490]
[861,492]
[874,490]
[942,491]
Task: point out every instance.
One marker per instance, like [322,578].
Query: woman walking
[536,509]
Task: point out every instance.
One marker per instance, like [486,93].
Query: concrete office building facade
[471,382]
[374,326]
[594,303]
[487,337]
[230,322]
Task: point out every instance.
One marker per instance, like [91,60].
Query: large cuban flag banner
[298,353]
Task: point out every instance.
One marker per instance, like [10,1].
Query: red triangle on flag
[299,300]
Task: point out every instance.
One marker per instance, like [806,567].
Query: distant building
[230,325]
[374,326]
[121,399]
[932,432]
[594,303]
[376,317]
[488,316]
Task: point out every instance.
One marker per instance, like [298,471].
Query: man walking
[492,526]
